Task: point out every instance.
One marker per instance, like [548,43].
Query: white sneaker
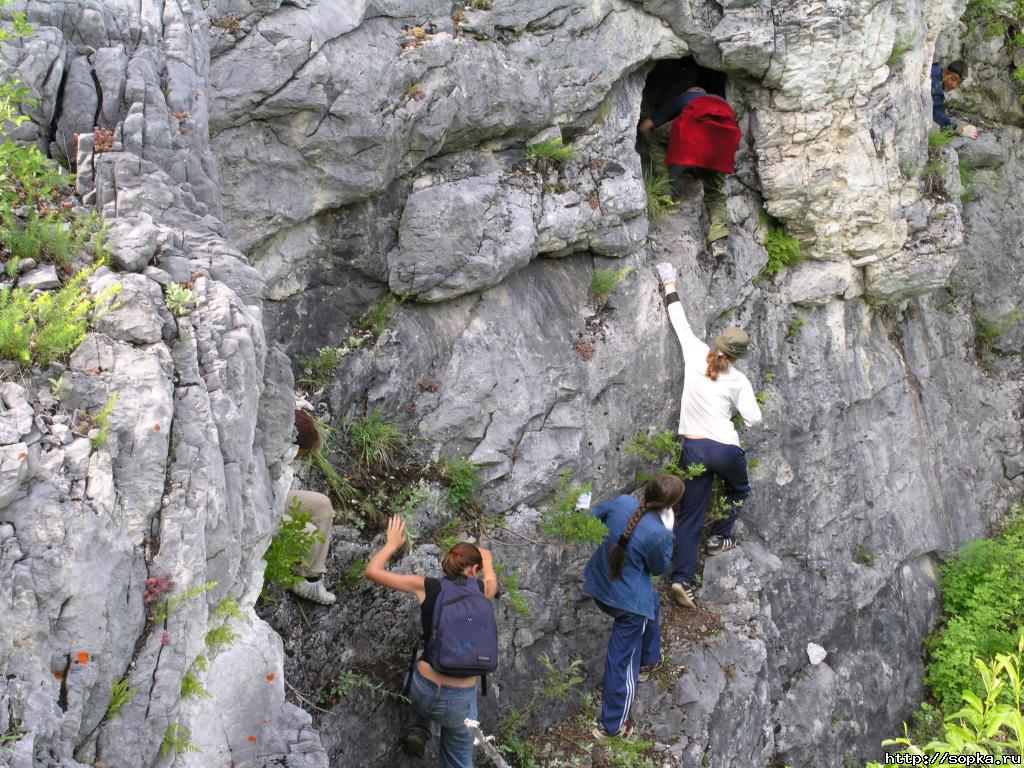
[683,595]
[718,544]
[314,591]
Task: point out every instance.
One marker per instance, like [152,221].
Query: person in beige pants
[310,585]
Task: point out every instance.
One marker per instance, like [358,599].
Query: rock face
[187,482]
[349,150]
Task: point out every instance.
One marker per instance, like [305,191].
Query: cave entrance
[670,78]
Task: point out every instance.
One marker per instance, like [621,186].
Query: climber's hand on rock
[396,532]
[666,272]
[969,131]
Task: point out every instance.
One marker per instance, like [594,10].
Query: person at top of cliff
[712,391]
[695,134]
[945,79]
[618,577]
[435,697]
[310,585]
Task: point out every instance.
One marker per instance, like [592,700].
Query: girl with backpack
[618,577]
[712,390]
[436,697]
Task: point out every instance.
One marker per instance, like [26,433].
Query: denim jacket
[939,113]
[649,553]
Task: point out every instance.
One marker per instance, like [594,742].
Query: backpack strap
[483,684]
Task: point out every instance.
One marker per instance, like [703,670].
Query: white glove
[968,130]
[666,272]
[583,501]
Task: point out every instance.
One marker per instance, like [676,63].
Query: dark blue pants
[728,462]
[635,641]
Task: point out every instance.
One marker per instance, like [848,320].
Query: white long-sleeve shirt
[707,405]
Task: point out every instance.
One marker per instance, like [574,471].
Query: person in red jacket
[695,133]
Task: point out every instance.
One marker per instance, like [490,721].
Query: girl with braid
[618,577]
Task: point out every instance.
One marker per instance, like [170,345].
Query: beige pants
[322,514]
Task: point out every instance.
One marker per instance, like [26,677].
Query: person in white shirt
[712,390]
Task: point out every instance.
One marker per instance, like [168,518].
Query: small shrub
[865,556]
[563,520]
[481,5]
[101,421]
[376,441]
[463,478]
[663,450]
[179,299]
[36,330]
[290,546]
[176,739]
[120,694]
[222,636]
[228,607]
[783,251]
[549,151]
[192,687]
[377,318]
[318,366]
[659,195]
[987,330]
[940,139]
[604,281]
[510,584]
[793,331]
[966,180]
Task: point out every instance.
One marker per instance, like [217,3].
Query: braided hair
[661,492]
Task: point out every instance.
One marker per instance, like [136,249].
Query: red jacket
[705,135]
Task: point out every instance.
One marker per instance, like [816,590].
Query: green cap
[733,342]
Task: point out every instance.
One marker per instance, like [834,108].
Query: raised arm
[692,346]
[489,576]
[377,569]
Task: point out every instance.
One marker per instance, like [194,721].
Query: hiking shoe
[415,741]
[314,591]
[719,544]
[646,670]
[720,248]
[683,595]
[600,733]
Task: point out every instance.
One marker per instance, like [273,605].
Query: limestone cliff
[295,161]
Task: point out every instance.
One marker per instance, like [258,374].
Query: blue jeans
[448,707]
[728,462]
[635,641]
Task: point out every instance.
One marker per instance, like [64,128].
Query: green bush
[290,546]
[604,281]
[549,150]
[376,441]
[783,251]
[463,478]
[983,606]
[318,366]
[659,195]
[50,237]
[377,318]
[35,330]
[563,520]
[120,694]
[510,585]
[940,139]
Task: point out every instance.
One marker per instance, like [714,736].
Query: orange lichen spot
[58,674]
[22,455]
[266,722]
[156,427]
[82,657]
[252,739]
[271,677]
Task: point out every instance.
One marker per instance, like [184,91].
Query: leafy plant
[173,602]
[481,5]
[463,478]
[49,236]
[176,739]
[318,366]
[120,694]
[35,330]
[376,441]
[353,575]
[793,331]
[563,520]
[349,682]
[783,251]
[377,318]
[988,330]
[179,299]
[101,421]
[192,687]
[556,684]
[663,450]
[660,202]
[865,556]
[549,150]
[940,139]
[228,607]
[966,180]
[604,281]
[630,752]
[510,584]
[222,636]
[341,489]
[983,609]
[290,546]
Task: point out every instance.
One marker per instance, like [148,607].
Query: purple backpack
[464,635]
